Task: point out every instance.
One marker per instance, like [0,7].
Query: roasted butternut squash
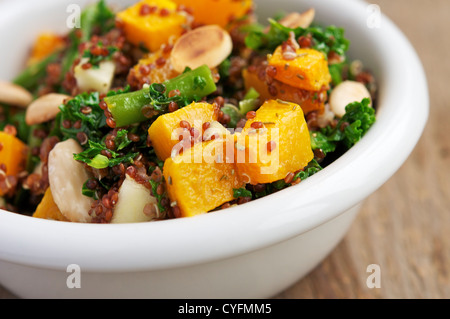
[273,144]
[47,208]
[308,100]
[174,129]
[305,69]
[45,44]
[203,177]
[13,153]
[152,23]
[220,12]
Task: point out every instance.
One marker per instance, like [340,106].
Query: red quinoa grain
[271,146]
[173,106]
[82,138]
[176,212]
[250,115]
[10,129]
[271,71]
[164,12]
[257,125]
[289,177]
[185,124]
[110,122]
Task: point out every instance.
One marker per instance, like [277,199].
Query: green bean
[138,106]
[91,16]
[30,77]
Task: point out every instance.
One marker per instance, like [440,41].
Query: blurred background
[404,227]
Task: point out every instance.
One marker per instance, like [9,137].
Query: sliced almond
[66,178]
[13,94]
[44,108]
[345,93]
[209,45]
[294,19]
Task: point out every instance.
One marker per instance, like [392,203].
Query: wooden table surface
[405,226]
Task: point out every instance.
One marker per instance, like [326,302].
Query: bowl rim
[257,224]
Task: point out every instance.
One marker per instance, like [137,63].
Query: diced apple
[95,79]
[133,197]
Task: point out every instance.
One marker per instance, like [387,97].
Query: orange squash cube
[308,100]
[220,12]
[167,132]
[47,208]
[273,144]
[152,23]
[203,177]
[46,43]
[13,153]
[308,70]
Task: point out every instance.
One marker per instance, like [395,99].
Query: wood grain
[404,227]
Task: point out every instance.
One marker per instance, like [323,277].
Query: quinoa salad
[176,108]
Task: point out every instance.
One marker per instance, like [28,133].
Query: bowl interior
[403,111]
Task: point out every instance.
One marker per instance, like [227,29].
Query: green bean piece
[31,76]
[138,106]
[95,15]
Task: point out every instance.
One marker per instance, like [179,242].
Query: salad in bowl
[166,110]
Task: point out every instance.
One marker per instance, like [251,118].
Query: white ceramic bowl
[251,251]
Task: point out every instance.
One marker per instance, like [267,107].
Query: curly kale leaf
[358,118]
[326,40]
[95,60]
[84,115]
[93,156]
[312,168]
[241,192]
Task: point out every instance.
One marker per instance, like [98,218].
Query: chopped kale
[159,197]
[312,168]
[358,118]
[241,192]
[326,40]
[88,192]
[337,72]
[82,114]
[95,60]
[93,155]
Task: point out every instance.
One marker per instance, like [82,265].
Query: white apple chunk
[95,79]
[133,197]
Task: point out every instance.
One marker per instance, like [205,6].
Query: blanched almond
[66,177]
[209,45]
[13,94]
[44,108]
[294,20]
[345,93]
